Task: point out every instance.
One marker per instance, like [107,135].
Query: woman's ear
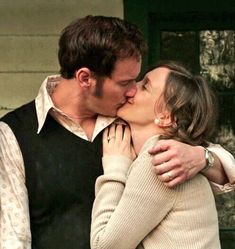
[164,120]
[84,77]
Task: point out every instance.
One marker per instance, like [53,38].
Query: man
[50,149]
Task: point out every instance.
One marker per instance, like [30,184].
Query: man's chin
[110,114]
[114,113]
[120,114]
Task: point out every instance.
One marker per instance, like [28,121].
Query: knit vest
[61,170]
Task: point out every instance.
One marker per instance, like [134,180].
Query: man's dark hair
[97,42]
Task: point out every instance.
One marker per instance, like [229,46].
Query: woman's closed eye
[144,83]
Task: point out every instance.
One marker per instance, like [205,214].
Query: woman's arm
[127,206]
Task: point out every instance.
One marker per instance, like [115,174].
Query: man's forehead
[126,69]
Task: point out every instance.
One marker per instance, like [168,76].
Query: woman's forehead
[157,77]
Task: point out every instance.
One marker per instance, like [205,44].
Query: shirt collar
[44,104]
[43,100]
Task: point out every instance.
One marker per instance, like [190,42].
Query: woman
[133,208]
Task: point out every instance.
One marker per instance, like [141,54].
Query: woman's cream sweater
[133,209]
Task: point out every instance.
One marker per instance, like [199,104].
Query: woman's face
[140,109]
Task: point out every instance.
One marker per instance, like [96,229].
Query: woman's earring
[157,121]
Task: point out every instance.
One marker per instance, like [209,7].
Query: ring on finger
[170,177]
[109,138]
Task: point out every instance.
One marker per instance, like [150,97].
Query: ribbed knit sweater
[133,208]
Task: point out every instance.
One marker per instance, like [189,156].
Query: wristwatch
[209,160]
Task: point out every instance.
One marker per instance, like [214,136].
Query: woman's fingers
[105,136]
[127,134]
[111,133]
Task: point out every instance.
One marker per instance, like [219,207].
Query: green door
[201,35]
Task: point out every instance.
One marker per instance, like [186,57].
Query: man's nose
[132,91]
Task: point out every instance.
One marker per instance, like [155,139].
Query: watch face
[210,158]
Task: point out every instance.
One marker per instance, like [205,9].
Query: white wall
[29,31]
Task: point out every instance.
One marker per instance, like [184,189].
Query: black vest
[61,170]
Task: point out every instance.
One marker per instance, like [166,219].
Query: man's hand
[176,162]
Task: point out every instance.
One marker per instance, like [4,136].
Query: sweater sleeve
[128,206]
[228,163]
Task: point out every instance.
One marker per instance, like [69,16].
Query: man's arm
[14,214]
[176,162]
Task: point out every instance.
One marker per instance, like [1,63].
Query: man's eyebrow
[126,81]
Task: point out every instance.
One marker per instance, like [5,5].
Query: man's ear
[84,77]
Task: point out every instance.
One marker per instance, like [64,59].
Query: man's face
[118,88]
[147,104]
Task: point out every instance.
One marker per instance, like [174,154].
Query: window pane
[180,46]
[217,61]
[217,57]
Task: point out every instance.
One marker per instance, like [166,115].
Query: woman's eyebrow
[146,80]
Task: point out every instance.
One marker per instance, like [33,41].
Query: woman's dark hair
[191,103]
[96,42]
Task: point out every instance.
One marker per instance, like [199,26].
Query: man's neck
[88,126]
[66,98]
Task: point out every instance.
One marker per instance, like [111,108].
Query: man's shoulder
[20,116]
[29,107]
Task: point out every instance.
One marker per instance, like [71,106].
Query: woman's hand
[117,141]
